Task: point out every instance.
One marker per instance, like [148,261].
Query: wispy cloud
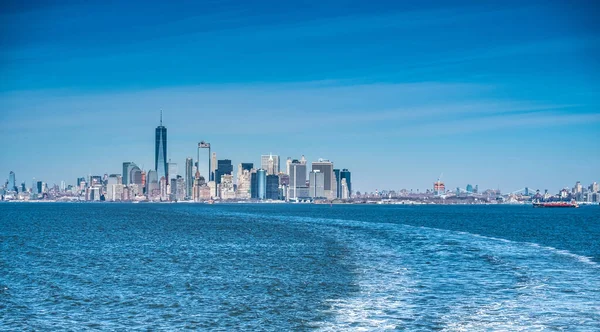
[431,107]
[495,124]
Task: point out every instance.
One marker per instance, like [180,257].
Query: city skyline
[309,165]
[395,92]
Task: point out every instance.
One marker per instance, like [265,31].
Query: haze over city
[398,94]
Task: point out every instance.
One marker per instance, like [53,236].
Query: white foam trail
[550,292]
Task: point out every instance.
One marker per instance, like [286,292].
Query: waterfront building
[135,191]
[189,177]
[469,188]
[226,187]
[178,189]
[213,167]
[114,192]
[594,187]
[205,192]
[261,179]
[224,167]
[272,187]
[152,189]
[316,185]
[578,188]
[297,187]
[160,151]
[439,187]
[114,188]
[338,183]
[326,167]
[288,162]
[244,180]
[135,176]
[39,187]
[110,189]
[164,194]
[12,181]
[212,185]
[79,181]
[270,163]
[93,193]
[95,180]
[283,191]
[172,170]
[345,192]
[253,185]
[284,179]
[199,183]
[345,174]
[127,166]
[172,189]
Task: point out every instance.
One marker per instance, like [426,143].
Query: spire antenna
[161,117]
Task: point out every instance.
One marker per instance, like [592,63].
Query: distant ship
[571,204]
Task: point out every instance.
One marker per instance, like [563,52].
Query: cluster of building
[297,181]
[578,193]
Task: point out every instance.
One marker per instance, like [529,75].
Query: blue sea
[277,267]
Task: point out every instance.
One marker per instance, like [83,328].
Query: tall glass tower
[261,176]
[189,176]
[12,181]
[160,151]
[345,174]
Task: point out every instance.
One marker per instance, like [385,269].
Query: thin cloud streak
[268,108]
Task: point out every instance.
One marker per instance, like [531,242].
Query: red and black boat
[571,204]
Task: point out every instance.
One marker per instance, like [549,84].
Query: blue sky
[501,94]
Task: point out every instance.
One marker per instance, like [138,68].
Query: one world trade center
[160,153]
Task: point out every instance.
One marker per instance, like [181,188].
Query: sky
[501,94]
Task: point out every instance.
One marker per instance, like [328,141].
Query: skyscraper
[345,174]
[226,190]
[253,185]
[213,166]
[261,176]
[316,185]
[189,176]
[172,170]
[326,167]
[297,188]
[270,163]
[152,183]
[12,181]
[247,166]
[199,183]
[135,177]
[272,187]
[288,162]
[126,169]
[344,190]
[338,183]
[243,190]
[224,166]
[160,151]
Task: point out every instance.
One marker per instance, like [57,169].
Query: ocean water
[298,267]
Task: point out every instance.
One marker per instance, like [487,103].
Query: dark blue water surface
[291,266]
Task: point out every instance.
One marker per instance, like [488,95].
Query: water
[283,267]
